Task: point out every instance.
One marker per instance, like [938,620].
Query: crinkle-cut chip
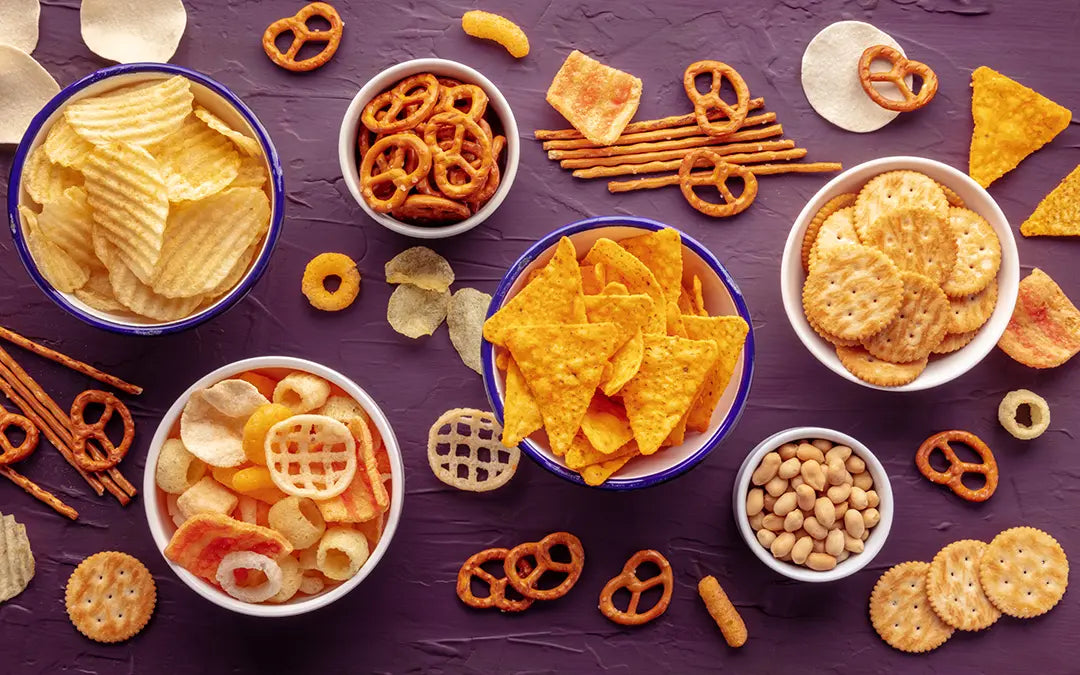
[16,558]
[140,115]
[301,392]
[61,270]
[1058,214]
[1044,331]
[853,292]
[212,424]
[521,415]
[582,453]
[421,267]
[839,228]
[562,365]
[45,181]
[729,334]
[605,426]
[67,222]
[137,296]
[838,202]
[19,23]
[97,292]
[205,239]
[554,296]
[465,321]
[632,313]
[901,613]
[596,99]
[917,240]
[895,190]
[251,173]
[488,26]
[597,474]
[129,203]
[954,341]
[621,266]
[919,326]
[237,272]
[661,252]
[203,540]
[415,312]
[64,146]
[1011,122]
[27,88]
[129,31]
[196,161]
[868,368]
[244,143]
[972,311]
[978,253]
[1024,572]
[672,373]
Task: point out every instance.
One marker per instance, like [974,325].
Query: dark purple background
[405,616]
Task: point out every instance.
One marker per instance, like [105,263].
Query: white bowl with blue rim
[722,297]
[212,95]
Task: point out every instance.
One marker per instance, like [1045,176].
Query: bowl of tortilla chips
[617,352]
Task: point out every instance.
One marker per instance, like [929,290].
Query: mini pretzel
[721,171]
[954,474]
[396,174]
[84,432]
[900,68]
[9,454]
[447,155]
[526,582]
[476,101]
[491,185]
[704,103]
[297,25]
[497,597]
[415,97]
[628,579]
[434,209]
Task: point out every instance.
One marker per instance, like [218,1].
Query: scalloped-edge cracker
[838,202]
[1058,214]
[868,368]
[970,312]
[1044,331]
[917,240]
[954,590]
[895,190]
[954,341]
[978,254]
[838,229]
[920,325]
[900,610]
[1024,572]
[853,291]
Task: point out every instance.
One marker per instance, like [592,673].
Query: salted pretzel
[448,155]
[953,476]
[84,432]
[433,209]
[491,185]
[297,25]
[710,100]
[402,107]
[899,68]
[628,579]
[9,453]
[396,174]
[718,177]
[473,97]
[526,583]
[497,595]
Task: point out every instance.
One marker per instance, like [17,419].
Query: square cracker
[597,100]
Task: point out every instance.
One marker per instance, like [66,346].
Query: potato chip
[97,292]
[302,392]
[16,558]
[582,453]
[672,372]
[596,99]
[244,143]
[1044,331]
[67,222]
[64,146]
[605,426]
[661,252]
[19,23]
[729,334]
[465,321]
[521,415]
[251,173]
[61,270]
[239,269]
[196,161]
[45,181]
[1058,214]
[137,296]
[128,31]
[631,312]
[415,312]
[421,267]
[202,541]
[27,88]
[141,115]
[621,266]
[212,424]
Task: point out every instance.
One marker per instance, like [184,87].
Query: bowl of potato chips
[145,199]
[617,353]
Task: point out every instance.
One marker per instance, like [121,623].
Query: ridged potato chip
[196,161]
[252,173]
[421,267]
[212,424]
[141,115]
[239,269]
[415,312]
[465,320]
[245,144]
[59,269]
[64,146]
[137,296]
[67,222]
[45,181]
[97,292]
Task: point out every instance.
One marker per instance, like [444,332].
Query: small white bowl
[162,527]
[855,561]
[350,127]
[942,369]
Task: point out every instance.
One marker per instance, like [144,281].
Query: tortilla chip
[678,434]
[582,453]
[615,288]
[1011,122]
[595,99]
[674,323]
[605,425]
[672,371]
[1044,331]
[521,417]
[596,474]
[685,303]
[592,279]
[729,334]
[562,365]
[621,266]
[661,252]
[698,298]
[554,296]
[1058,214]
[631,312]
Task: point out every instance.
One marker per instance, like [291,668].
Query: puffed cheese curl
[299,520]
[342,552]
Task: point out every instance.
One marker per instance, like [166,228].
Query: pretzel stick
[696,141]
[641,158]
[38,492]
[658,135]
[644,125]
[65,360]
[673,165]
[757,170]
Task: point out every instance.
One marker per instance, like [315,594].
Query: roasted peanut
[819,546]
[787,451]
[790,468]
[768,502]
[773,522]
[863,480]
[834,543]
[841,451]
[814,528]
[853,523]
[821,444]
[770,463]
[825,511]
[766,537]
[807,451]
[805,497]
[855,464]
[858,500]
[796,481]
[785,504]
[782,545]
[843,556]
[841,509]
[802,549]
[853,544]
[757,520]
[777,486]
[836,473]
[813,475]
[755,501]
[821,562]
[871,517]
[872,499]
[839,493]
[793,521]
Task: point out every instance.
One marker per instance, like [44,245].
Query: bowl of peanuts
[814,504]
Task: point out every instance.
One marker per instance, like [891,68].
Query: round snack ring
[525,583]
[497,597]
[901,67]
[414,96]
[721,171]
[474,98]
[434,209]
[954,474]
[249,560]
[84,432]
[1040,414]
[9,454]
[297,25]
[703,103]
[449,155]
[327,265]
[395,176]
[628,579]
[321,449]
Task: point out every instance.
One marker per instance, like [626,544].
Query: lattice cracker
[311,456]
[464,451]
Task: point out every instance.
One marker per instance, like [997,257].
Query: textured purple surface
[405,618]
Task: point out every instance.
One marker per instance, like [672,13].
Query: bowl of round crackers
[900,274]
[617,353]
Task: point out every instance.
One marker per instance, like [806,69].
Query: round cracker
[951,196]
[970,312]
[953,342]
[978,253]
[916,239]
[954,590]
[832,206]
[829,337]
[839,228]
[110,596]
[1024,572]
[900,610]
[868,368]
[919,326]
[853,292]
[895,190]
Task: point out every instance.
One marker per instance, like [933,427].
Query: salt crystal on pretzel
[212,424]
[311,456]
[204,539]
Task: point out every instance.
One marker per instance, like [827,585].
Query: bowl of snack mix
[273,486]
[429,148]
[617,352]
[116,157]
[814,504]
[900,274]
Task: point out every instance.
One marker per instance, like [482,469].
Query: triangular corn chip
[631,312]
[661,252]
[582,453]
[1058,214]
[606,426]
[521,417]
[596,474]
[621,266]
[729,334]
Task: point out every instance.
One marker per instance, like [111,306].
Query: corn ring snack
[257,426]
[177,469]
[252,479]
[342,552]
[1040,414]
[238,561]
[291,578]
[311,456]
[299,520]
[311,584]
[324,266]
[488,26]
[302,392]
